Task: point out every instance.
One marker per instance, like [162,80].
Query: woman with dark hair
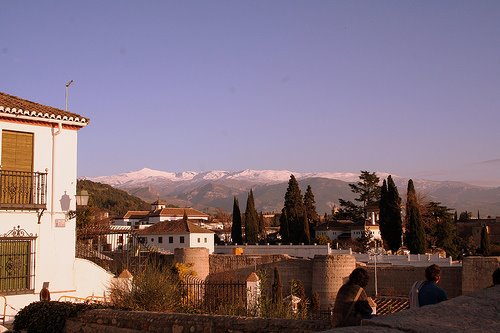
[351,303]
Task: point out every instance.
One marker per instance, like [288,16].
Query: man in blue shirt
[429,292]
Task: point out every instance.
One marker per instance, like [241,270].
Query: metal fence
[20,189]
[213,296]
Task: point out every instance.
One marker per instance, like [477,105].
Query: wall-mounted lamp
[82,199]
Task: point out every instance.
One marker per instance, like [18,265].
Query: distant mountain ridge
[216,189]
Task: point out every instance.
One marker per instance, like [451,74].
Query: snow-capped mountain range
[146,175]
[216,189]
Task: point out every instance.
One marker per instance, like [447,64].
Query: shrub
[46,317]
[155,288]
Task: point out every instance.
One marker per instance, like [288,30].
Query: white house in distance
[159,212]
[346,229]
[169,235]
[38,158]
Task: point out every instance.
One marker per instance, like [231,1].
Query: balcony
[20,190]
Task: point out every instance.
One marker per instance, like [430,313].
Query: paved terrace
[477,312]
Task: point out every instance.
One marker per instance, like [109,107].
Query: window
[205,239]
[170,239]
[160,240]
[152,240]
[181,239]
[17,168]
[199,240]
[17,265]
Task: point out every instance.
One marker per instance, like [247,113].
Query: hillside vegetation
[110,199]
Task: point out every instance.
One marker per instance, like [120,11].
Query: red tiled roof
[13,105]
[136,214]
[192,213]
[173,227]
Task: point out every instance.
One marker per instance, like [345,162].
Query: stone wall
[115,321]
[477,273]
[476,312]
[227,263]
[329,274]
[300,251]
[397,280]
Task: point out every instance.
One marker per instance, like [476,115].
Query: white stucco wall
[55,243]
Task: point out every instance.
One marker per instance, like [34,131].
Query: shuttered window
[17,151]
[16,182]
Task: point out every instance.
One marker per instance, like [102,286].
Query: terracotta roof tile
[173,227]
[21,107]
[192,213]
[136,214]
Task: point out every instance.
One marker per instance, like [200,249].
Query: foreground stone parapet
[477,312]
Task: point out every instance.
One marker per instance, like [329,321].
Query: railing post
[253,293]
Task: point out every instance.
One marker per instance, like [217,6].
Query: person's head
[433,273]
[359,276]
[496,277]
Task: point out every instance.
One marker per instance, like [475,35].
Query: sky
[411,88]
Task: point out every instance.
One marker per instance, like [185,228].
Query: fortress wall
[198,257]
[477,273]
[397,280]
[329,274]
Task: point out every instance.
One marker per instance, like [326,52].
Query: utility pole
[67,94]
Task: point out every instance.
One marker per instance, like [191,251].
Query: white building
[38,158]
[169,235]
[159,212]
[345,229]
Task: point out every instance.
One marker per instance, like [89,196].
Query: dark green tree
[382,205]
[277,288]
[349,211]
[251,221]
[365,241]
[367,189]
[465,216]
[262,227]
[298,227]
[311,214]
[415,236]
[446,235]
[284,228]
[236,235]
[485,241]
[393,224]
[310,206]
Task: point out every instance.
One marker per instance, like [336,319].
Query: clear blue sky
[406,87]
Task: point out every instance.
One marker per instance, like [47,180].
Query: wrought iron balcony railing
[23,190]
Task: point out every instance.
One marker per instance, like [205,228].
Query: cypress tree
[251,221]
[393,224]
[296,218]
[382,205]
[277,288]
[485,241]
[310,206]
[415,236]
[284,228]
[311,214]
[262,227]
[236,235]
